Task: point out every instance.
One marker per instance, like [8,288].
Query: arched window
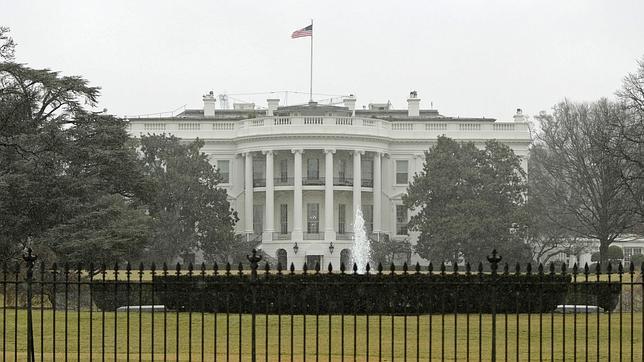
[282,258]
[345,258]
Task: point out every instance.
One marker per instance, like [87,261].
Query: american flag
[308,31]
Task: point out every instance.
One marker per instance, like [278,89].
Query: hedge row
[360,294]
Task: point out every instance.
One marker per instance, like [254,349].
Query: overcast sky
[470,58]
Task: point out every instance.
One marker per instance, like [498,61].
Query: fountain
[360,249]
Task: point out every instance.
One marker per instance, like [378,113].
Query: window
[313,168]
[259,169]
[342,170]
[401,220]
[223,166]
[313,218]
[367,214]
[342,217]
[283,219]
[258,219]
[284,170]
[367,169]
[402,170]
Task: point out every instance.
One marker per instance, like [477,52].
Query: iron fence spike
[631,268]
[279,267]
[417,268]
[540,268]
[586,269]
[355,268]
[517,268]
[480,267]
[528,268]
[609,267]
[506,268]
[455,267]
[292,268]
[443,267]
[563,268]
[468,268]
[392,268]
[305,268]
[317,267]
[240,268]
[267,268]
[598,268]
[342,268]
[620,268]
[379,268]
[330,268]
[552,267]
[405,268]
[367,268]
[430,267]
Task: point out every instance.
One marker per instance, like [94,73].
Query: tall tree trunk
[603,252]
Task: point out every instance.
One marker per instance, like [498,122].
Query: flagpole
[311,79]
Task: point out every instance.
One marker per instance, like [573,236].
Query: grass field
[212,335]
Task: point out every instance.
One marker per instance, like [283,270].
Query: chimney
[209,104]
[350,102]
[273,103]
[413,104]
[519,117]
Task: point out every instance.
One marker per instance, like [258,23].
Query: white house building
[296,174]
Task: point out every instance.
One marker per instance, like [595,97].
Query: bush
[362,294]
[602,294]
[110,295]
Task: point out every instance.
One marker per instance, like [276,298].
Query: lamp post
[331,247]
[295,248]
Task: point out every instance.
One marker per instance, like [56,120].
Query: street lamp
[331,247]
[295,248]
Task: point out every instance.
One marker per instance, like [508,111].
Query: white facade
[296,174]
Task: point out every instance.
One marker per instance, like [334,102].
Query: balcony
[313,236]
[344,236]
[342,181]
[315,181]
[283,181]
[463,128]
[281,236]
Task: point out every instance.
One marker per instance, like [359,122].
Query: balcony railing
[342,181]
[281,236]
[466,128]
[283,181]
[312,181]
[259,182]
[344,236]
[313,236]
[367,182]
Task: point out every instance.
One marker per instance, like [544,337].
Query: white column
[248,196]
[296,234]
[377,192]
[269,226]
[357,181]
[329,230]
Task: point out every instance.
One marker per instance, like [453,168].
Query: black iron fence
[490,311]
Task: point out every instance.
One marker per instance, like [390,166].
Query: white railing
[281,121]
[504,127]
[189,126]
[402,126]
[223,126]
[313,120]
[435,126]
[469,127]
[154,126]
[334,124]
[344,121]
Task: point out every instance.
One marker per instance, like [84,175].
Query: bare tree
[581,181]
[7,46]
[631,130]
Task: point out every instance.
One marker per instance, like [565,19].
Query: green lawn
[449,336]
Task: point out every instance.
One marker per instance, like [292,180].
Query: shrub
[602,294]
[361,294]
[110,295]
